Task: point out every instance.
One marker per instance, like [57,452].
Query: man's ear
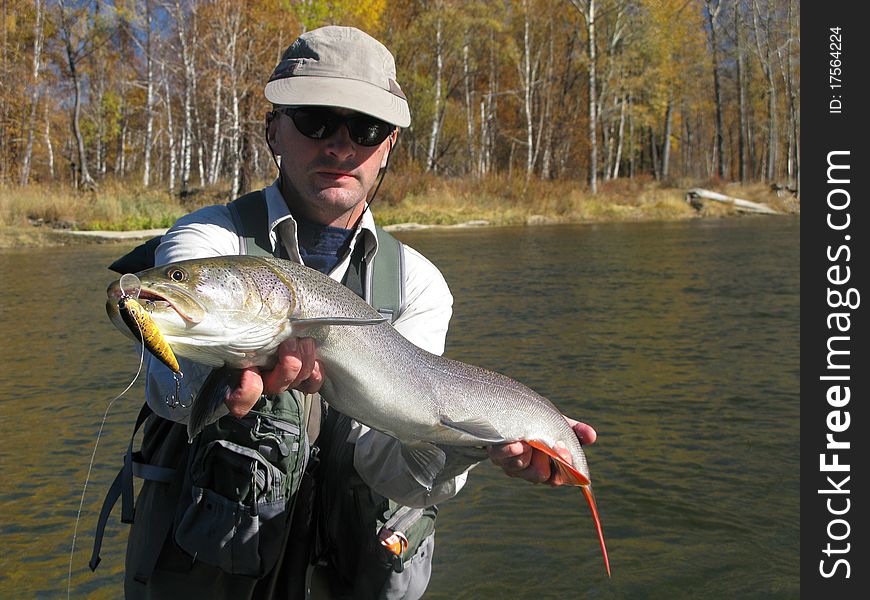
[386,158]
[271,128]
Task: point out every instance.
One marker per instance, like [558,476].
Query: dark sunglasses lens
[368,131]
[320,124]
[316,124]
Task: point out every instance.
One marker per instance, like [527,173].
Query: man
[336,113]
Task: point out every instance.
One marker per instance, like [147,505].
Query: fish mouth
[165,297]
[168,296]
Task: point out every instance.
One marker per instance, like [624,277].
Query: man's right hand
[297,368]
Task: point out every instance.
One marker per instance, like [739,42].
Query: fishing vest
[263,460]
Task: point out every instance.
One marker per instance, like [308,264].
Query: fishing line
[371,199]
[93,457]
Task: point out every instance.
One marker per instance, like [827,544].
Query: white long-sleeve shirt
[211,231]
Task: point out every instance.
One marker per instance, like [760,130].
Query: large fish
[235,310]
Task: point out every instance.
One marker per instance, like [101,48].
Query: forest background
[126,114]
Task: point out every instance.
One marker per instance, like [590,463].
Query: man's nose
[339,144]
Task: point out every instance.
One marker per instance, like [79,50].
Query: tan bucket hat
[341,67]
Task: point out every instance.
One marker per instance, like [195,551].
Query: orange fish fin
[590,500]
[569,474]
[572,476]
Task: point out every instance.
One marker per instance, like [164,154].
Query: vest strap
[121,487]
[251,218]
[386,286]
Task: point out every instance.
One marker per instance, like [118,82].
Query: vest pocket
[243,477]
[238,510]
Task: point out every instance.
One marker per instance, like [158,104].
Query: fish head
[226,310]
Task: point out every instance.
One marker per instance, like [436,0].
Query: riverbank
[50,218]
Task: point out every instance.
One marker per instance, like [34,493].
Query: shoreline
[43,236]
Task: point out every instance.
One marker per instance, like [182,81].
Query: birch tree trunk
[587,9]
[214,164]
[654,155]
[149,94]
[189,71]
[4,103]
[545,127]
[765,57]
[85,179]
[631,148]
[488,110]
[170,130]
[542,141]
[235,131]
[35,89]
[469,110]
[73,57]
[620,136]
[791,93]
[741,99]
[713,10]
[528,74]
[120,155]
[436,116]
[593,98]
[666,143]
[48,145]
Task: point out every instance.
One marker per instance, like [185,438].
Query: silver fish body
[236,310]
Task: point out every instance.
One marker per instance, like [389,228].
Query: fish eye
[176,274]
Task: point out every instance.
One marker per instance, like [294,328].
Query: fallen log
[694,195]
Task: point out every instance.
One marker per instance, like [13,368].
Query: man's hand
[518,459]
[297,368]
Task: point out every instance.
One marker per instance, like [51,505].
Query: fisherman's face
[326,180]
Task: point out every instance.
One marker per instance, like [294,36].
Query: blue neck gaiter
[321,246]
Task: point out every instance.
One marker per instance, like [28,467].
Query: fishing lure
[145,329]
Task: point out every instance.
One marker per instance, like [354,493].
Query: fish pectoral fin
[320,321]
[479,428]
[299,327]
[209,404]
[459,460]
[425,461]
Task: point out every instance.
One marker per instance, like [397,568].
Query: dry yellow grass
[404,198]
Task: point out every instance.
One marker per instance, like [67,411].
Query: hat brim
[339,92]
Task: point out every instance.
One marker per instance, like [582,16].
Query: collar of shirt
[283,226]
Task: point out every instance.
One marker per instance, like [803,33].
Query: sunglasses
[320,123]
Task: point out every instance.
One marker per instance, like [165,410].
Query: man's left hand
[518,459]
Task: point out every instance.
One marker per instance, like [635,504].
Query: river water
[678,342]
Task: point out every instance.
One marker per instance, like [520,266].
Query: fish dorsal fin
[425,461]
[574,477]
[479,428]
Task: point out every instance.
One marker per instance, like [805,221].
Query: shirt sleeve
[377,456]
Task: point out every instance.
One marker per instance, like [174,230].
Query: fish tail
[590,499]
[572,476]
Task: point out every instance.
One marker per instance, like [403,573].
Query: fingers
[518,459]
[297,367]
[585,433]
[313,383]
[242,398]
